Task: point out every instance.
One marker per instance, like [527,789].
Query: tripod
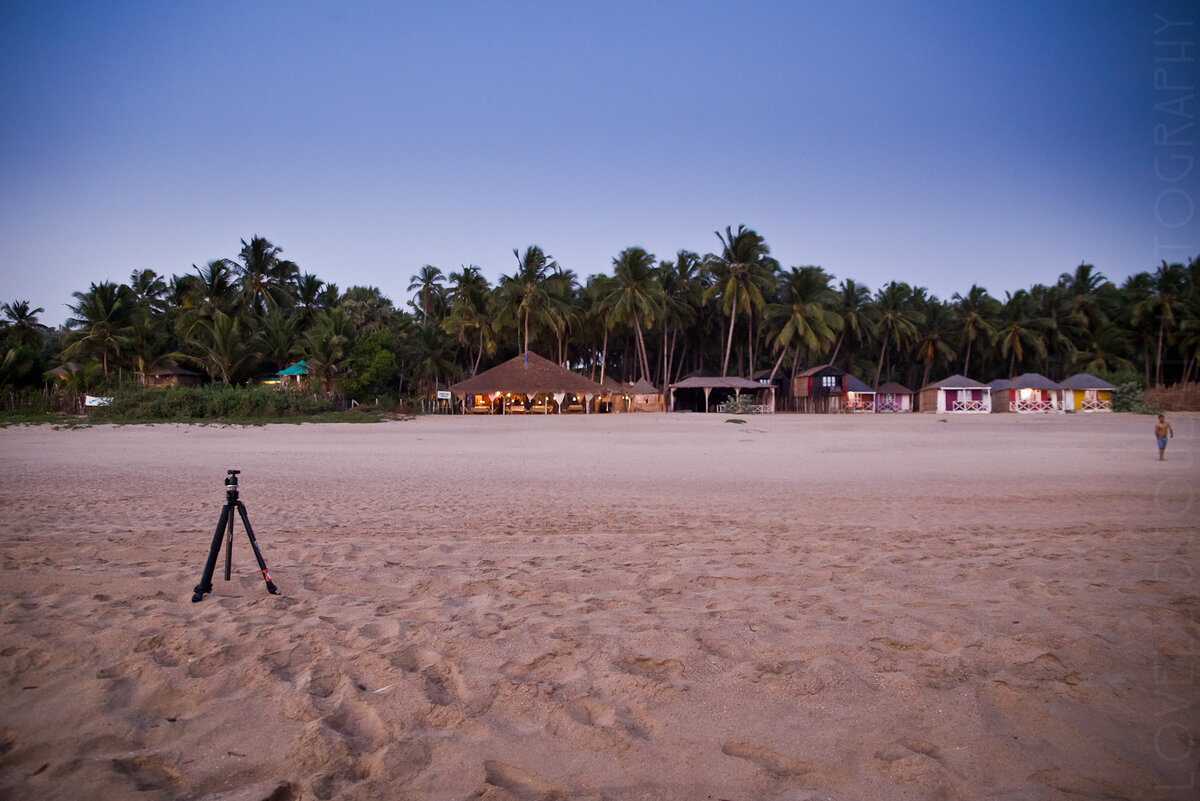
[225,526]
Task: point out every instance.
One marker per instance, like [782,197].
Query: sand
[606,607]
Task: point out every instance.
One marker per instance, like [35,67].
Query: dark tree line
[734,311]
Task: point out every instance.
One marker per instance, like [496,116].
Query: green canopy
[299,368]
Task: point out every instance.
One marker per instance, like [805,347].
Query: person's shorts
[1162,443]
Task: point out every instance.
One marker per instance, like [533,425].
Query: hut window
[829,381]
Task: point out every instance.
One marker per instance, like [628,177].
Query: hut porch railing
[1035,406]
[860,406]
[1089,405]
[889,406]
[968,406]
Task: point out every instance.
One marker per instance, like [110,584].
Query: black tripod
[225,526]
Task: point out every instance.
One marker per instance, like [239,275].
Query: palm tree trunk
[604,354]
[837,347]
[642,350]
[1162,327]
[966,361]
[729,341]
[879,369]
[778,362]
[478,356]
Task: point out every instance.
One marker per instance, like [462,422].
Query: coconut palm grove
[736,311]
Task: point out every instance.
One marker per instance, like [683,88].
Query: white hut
[956,395]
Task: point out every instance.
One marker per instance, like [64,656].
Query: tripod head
[231,485]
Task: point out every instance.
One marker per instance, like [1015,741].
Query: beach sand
[606,607]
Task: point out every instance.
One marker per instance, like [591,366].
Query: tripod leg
[205,584]
[229,547]
[254,546]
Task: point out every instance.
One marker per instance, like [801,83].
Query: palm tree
[101,321]
[562,288]
[309,297]
[278,338]
[893,320]
[524,295]
[597,308]
[324,346]
[936,333]
[682,293]
[1083,289]
[427,283]
[852,303]
[149,346]
[225,350]
[264,276]
[431,351]
[803,317]
[149,290]
[1104,350]
[22,322]
[472,313]
[740,272]
[974,313]
[1016,331]
[1164,301]
[1058,324]
[636,297]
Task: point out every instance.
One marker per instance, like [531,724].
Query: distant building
[956,395]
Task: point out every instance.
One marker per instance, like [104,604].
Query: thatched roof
[854,385]
[999,385]
[643,387]
[956,382]
[528,374]
[892,388]
[613,386]
[1086,381]
[717,382]
[173,370]
[1032,381]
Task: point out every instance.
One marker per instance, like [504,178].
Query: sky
[943,144]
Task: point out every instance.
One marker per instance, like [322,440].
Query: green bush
[223,402]
[1128,397]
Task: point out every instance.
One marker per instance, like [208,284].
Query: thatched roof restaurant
[527,382]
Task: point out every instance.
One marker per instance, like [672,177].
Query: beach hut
[859,397]
[615,397]
[173,377]
[893,397]
[716,390]
[1087,393]
[295,373]
[956,395]
[527,383]
[820,389]
[645,397]
[1033,392]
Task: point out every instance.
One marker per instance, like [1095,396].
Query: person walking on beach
[1162,429]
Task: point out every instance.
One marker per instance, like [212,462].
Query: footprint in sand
[520,783]
[775,763]
[149,773]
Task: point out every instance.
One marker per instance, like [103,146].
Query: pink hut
[893,397]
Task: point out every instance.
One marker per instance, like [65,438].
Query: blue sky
[941,143]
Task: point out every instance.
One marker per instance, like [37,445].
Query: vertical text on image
[1174,84]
